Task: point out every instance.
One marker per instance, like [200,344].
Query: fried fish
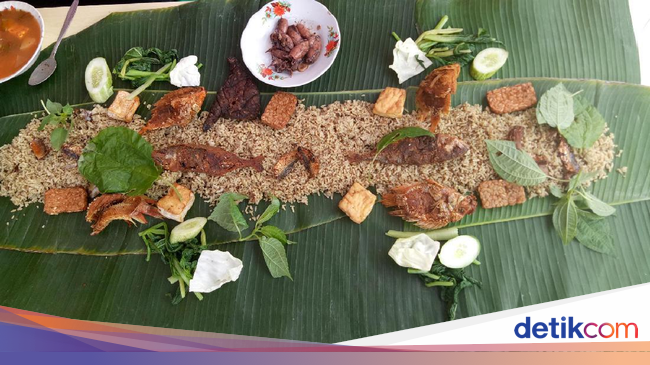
[428,204]
[433,97]
[423,150]
[213,161]
[111,207]
[176,108]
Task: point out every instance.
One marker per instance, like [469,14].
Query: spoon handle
[66,24]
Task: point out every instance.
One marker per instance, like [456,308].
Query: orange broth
[19,37]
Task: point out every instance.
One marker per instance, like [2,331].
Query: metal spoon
[46,68]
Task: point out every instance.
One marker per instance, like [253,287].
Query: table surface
[89,15]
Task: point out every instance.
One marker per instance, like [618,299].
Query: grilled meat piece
[516,135]
[286,163]
[213,161]
[511,99]
[571,165]
[500,193]
[433,97]
[126,208]
[421,150]
[65,200]
[428,204]
[177,107]
[238,98]
[39,148]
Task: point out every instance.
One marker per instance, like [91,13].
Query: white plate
[30,9]
[256,41]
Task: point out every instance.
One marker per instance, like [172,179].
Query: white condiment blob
[186,72]
[417,252]
[213,270]
[408,60]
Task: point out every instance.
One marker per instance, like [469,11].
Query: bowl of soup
[21,37]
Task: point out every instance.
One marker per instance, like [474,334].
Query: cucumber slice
[99,81]
[487,63]
[187,230]
[459,252]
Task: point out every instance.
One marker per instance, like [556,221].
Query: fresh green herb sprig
[59,116]
[271,238]
[451,282]
[573,116]
[580,215]
[182,257]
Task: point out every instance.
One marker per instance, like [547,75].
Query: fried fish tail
[256,163]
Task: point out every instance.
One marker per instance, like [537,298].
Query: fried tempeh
[65,200]
[500,193]
[428,204]
[511,99]
[177,107]
[210,160]
[279,110]
[421,150]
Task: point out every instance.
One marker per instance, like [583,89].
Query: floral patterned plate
[255,40]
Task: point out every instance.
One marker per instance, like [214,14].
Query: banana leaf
[345,285]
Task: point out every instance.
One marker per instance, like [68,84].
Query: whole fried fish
[177,107]
[213,161]
[428,204]
[238,98]
[423,150]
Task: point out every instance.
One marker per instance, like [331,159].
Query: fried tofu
[512,98]
[357,203]
[171,207]
[123,108]
[65,200]
[279,110]
[500,193]
[390,103]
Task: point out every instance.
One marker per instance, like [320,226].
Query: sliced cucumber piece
[487,63]
[187,230]
[459,252]
[99,81]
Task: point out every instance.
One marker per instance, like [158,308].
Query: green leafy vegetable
[228,215]
[451,283]
[586,129]
[271,239]
[514,165]
[572,219]
[400,134]
[118,160]
[555,107]
[138,64]
[181,257]
[450,45]
[59,116]
[275,257]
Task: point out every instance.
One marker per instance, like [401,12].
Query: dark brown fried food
[287,162]
[120,207]
[433,97]
[279,110]
[65,200]
[511,99]
[423,150]
[500,193]
[39,148]
[542,162]
[213,161]
[72,150]
[516,134]
[177,107]
[571,165]
[428,204]
[238,98]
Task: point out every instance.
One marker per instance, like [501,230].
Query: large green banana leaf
[345,285]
